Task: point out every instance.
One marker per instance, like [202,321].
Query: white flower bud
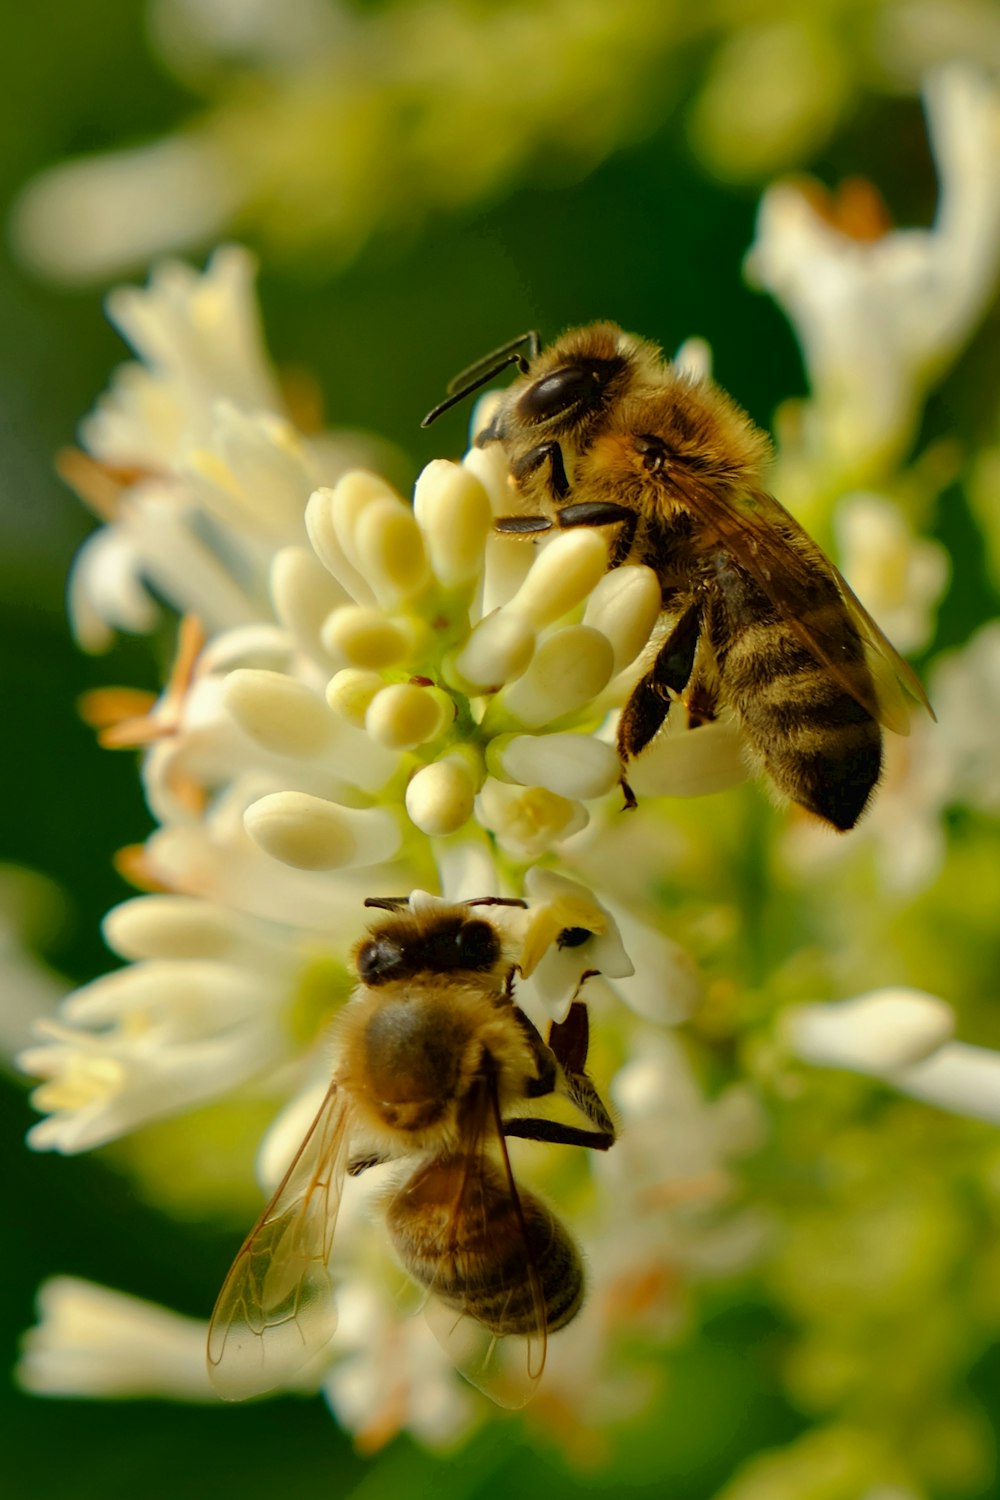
[279,713]
[406,714]
[350,692]
[351,497]
[562,575]
[498,650]
[303,594]
[168,926]
[440,797]
[875,1033]
[365,637]
[454,513]
[391,551]
[567,671]
[574,765]
[322,529]
[310,833]
[625,605]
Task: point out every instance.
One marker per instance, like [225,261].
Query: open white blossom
[881,314]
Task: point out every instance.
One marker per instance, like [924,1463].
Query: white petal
[876,1033]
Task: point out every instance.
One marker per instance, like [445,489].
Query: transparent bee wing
[887,667]
[276,1309]
[460,1229]
[505,1368]
[757,530]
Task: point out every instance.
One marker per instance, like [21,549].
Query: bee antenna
[476,375]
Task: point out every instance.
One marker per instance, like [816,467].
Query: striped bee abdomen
[457,1231]
[816,741]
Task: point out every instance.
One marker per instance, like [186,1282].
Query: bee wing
[276,1308]
[756,530]
[484,1210]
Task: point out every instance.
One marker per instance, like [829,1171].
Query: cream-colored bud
[624,606]
[562,576]
[310,833]
[322,529]
[352,496]
[390,550]
[405,714]
[440,797]
[365,637]
[575,765]
[303,594]
[567,671]
[489,464]
[350,692]
[455,515]
[499,649]
[279,713]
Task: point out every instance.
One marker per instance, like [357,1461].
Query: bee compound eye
[575,386]
[478,945]
[377,959]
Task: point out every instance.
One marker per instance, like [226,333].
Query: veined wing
[466,1233]
[782,558]
[277,1308]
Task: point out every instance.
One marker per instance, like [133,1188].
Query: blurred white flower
[903,1037]
[880,313]
[192,460]
[899,575]
[941,765]
[97,1343]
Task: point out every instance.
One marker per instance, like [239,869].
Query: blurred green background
[648,239]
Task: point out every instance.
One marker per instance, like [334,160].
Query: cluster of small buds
[469,663]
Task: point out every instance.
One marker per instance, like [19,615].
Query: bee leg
[532,460]
[559,1134]
[604,513]
[570,1041]
[359,1164]
[647,708]
[521,525]
[545,1064]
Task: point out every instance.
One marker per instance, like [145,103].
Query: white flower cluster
[367,696]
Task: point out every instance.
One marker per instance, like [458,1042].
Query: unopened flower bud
[625,605]
[440,797]
[568,670]
[454,513]
[279,713]
[562,576]
[350,692]
[405,714]
[310,833]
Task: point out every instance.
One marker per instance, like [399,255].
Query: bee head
[451,943]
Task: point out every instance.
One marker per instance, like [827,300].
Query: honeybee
[434,1060]
[600,430]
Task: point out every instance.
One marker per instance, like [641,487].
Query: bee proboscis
[600,430]
[434,1060]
